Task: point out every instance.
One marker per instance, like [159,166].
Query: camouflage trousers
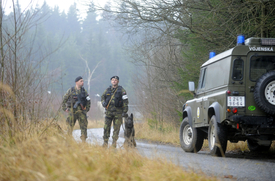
[83,123]
[116,118]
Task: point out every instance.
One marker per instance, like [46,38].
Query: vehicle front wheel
[255,147]
[191,139]
[217,137]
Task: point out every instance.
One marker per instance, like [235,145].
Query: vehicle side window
[237,73]
[202,79]
[259,65]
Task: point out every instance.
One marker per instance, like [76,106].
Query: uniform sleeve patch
[124,97]
[88,98]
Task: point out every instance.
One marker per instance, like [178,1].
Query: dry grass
[241,146]
[91,123]
[48,154]
[168,133]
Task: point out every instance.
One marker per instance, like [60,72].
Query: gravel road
[235,166]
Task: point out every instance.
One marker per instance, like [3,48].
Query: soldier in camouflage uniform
[115,101]
[76,102]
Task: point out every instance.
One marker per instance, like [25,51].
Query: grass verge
[169,134]
[48,154]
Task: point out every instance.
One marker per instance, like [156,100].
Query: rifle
[80,101]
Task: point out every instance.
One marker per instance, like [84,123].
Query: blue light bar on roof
[212,54]
[240,40]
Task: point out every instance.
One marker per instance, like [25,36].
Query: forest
[155,47]
[173,38]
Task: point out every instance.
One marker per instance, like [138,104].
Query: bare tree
[21,69]
[89,73]
[215,22]
[167,37]
[158,64]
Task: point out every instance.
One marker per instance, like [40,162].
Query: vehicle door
[201,113]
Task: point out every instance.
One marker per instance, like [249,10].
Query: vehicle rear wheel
[191,139]
[217,137]
[264,93]
[255,147]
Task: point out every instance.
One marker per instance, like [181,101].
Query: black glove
[104,104]
[125,115]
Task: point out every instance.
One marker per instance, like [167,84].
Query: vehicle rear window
[237,73]
[259,65]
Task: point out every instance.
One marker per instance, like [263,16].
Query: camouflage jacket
[70,98]
[119,102]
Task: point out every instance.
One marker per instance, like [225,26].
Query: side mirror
[191,86]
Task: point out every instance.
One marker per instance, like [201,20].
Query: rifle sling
[111,98]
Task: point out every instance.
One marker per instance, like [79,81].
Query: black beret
[116,77]
[78,78]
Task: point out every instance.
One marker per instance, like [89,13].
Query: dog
[129,132]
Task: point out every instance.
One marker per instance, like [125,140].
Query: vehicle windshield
[201,83]
[260,65]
